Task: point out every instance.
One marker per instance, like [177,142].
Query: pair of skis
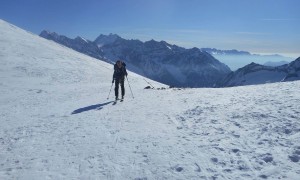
[115,102]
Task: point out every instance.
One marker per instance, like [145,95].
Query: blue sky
[258,26]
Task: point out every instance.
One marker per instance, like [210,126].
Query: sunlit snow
[57,123]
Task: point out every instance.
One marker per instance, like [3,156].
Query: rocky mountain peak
[102,40]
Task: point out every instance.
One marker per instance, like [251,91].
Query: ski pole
[130,87]
[110,90]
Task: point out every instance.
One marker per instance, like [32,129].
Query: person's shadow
[96,106]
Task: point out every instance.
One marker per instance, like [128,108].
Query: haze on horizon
[261,27]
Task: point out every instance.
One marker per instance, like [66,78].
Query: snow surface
[56,122]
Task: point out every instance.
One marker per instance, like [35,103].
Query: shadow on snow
[96,106]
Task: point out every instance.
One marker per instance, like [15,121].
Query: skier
[119,77]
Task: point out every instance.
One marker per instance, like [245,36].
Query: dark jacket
[120,73]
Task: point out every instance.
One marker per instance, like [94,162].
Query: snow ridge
[260,74]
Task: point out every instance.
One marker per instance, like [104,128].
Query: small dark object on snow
[268,159]
[235,150]
[294,158]
[263,176]
[179,169]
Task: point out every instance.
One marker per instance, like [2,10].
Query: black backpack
[120,72]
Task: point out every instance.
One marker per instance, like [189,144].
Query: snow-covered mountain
[260,74]
[237,59]
[79,44]
[169,64]
[56,122]
[160,61]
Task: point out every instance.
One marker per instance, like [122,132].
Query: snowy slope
[56,122]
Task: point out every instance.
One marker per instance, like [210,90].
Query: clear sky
[258,26]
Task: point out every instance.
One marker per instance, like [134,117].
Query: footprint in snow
[263,176]
[177,168]
[295,157]
[267,157]
[235,150]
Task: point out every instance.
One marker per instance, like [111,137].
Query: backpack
[119,72]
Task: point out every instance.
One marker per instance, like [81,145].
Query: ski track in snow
[56,122]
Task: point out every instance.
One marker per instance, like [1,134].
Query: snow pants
[121,83]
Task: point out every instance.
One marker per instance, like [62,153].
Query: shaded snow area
[56,122]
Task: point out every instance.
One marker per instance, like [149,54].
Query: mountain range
[178,66]
[236,59]
[79,44]
[160,61]
[214,51]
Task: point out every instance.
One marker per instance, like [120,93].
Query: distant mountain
[236,59]
[106,39]
[274,64]
[166,63]
[214,51]
[79,44]
[260,74]
[160,61]
[293,71]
